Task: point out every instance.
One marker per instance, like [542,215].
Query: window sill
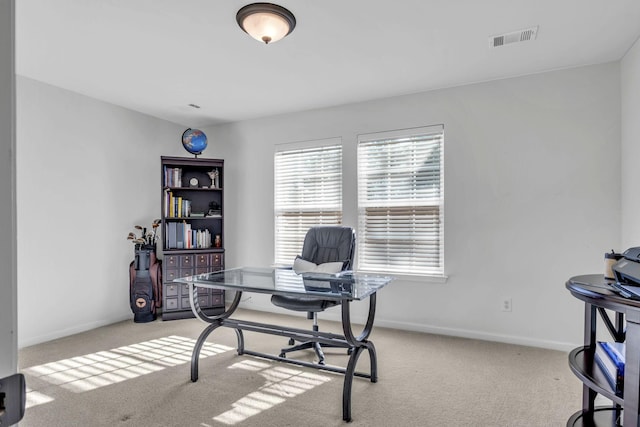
[440,279]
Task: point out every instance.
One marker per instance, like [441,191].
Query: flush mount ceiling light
[266,22]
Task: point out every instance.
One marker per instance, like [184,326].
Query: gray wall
[87,173]
[532,187]
[630,84]
[8,282]
[532,197]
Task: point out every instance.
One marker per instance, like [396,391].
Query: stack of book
[180,235]
[172,177]
[609,357]
[176,206]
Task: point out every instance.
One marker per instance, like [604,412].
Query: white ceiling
[158,56]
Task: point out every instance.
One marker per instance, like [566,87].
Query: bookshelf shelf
[582,364]
[192,218]
[601,416]
[189,236]
[192,189]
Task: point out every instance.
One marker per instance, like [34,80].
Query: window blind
[308,192]
[400,202]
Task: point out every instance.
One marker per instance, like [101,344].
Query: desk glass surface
[280,281]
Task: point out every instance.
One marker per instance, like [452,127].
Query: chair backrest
[328,243]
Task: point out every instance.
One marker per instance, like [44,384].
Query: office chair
[322,244]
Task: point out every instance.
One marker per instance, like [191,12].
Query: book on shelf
[170,203]
[176,206]
[172,177]
[180,235]
[171,235]
[203,239]
[609,356]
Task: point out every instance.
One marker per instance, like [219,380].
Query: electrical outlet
[506,304]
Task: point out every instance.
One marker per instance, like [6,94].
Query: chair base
[303,346]
[311,345]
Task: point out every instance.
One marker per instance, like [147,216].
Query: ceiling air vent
[514,37]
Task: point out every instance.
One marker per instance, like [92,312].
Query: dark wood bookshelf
[189,242]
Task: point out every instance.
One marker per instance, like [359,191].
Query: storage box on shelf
[193,231]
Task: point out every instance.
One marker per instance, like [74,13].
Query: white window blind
[308,192]
[400,201]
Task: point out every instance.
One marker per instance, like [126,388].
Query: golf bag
[145,284]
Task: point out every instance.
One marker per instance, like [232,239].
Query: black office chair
[322,244]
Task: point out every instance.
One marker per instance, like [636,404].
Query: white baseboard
[70,331]
[333,315]
[478,335]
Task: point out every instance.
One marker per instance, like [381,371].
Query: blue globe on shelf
[194,141]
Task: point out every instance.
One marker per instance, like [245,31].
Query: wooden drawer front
[186,261]
[171,290]
[171,273]
[170,261]
[202,270]
[185,303]
[203,300]
[184,272]
[216,261]
[202,260]
[216,299]
[171,303]
[184,290]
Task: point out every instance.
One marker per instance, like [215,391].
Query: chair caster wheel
[292,341]
[349,351]
[283,355]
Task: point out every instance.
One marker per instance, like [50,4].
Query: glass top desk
[344,287]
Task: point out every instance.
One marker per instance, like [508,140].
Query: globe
[194,141]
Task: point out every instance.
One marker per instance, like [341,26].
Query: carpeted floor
[138,375]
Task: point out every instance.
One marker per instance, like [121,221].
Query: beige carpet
[130,374]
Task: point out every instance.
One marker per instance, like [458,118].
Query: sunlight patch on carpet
[35,398]
[95,370]
[281,383]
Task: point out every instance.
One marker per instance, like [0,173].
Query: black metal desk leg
[195,356]
[240,337]
[374,361]
[214,321]
[359,344]
[348,381]
[361,340]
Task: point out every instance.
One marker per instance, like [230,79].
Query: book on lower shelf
[609,356]
[180,235]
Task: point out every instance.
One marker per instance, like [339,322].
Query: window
[308,192]
[400,201]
